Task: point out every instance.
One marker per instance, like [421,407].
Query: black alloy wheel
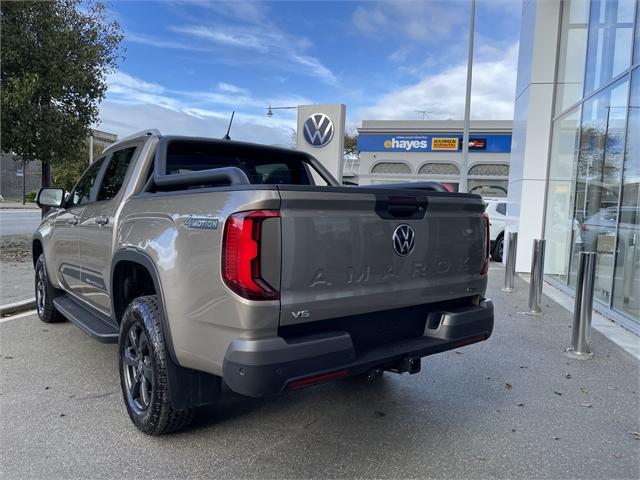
[138,372]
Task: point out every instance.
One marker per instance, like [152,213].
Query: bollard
[537,274]
[583,307]
[510,267]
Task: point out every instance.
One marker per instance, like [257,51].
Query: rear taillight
[241,244]
[487,245]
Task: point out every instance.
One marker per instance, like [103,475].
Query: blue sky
[189,63]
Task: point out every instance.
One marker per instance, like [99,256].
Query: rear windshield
[262,166]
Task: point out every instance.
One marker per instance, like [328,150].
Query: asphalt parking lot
[511,407]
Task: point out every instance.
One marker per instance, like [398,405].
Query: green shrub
[30,196]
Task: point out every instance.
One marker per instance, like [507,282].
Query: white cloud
[228,87]
[400,55]
[134,104]
[442,94]
[121,82]
[267,44]
[414,20]
[242,33]
[254,12]
[124,120]
[144,39]
[230,36]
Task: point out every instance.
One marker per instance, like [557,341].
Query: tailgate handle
[396,206]
[402,211]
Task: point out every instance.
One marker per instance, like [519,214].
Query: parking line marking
[17,316]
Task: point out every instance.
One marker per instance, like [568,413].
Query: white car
[497,211]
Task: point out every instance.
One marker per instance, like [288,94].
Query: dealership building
[401,151]
[575,163]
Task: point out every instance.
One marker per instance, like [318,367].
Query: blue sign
[493,143]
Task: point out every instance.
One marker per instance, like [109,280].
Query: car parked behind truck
[215,261]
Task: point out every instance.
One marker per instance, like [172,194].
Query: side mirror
[50,197]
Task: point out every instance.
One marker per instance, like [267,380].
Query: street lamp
[270,109]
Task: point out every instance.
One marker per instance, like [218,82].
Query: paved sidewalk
[16,282]
[511,407]
[17,206]
[16,269]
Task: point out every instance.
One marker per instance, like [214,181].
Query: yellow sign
[444,143]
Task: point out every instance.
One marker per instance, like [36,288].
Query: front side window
[87,184]
[115,173]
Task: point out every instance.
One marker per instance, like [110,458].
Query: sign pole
[463,187]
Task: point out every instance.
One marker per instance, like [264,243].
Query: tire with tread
[45,293]
[160,416]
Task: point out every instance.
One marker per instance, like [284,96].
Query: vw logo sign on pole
[403,240]
[318,130]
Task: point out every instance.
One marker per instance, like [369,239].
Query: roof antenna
[227,137]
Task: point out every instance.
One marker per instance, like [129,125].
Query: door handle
[72,221]
[103,220]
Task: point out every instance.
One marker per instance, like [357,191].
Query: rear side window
[260,166]
[115,173]
[501,208]
[86,186]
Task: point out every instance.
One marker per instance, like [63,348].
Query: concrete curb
[18,307]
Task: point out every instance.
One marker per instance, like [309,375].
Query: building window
[610,41]
[439,169]
[490,170]
[572,54]
[395,168]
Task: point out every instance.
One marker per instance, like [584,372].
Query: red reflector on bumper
[468,341]
[305,382]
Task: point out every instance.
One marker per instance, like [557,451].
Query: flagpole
[463,187]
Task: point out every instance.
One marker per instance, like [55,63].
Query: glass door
[626,291]
[598,175]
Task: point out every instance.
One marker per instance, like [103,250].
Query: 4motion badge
[204,223]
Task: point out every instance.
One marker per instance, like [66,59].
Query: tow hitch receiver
[407,364]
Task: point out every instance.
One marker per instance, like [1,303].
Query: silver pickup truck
[216,262]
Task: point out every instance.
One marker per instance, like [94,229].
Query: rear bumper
[266,366]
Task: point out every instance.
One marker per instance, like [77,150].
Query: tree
[351,145]
[66,173]
[55,59]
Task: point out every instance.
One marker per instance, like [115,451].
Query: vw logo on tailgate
[318,130]
[403,239]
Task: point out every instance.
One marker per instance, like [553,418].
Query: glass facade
[593,196]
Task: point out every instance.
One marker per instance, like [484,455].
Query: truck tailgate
[340,257]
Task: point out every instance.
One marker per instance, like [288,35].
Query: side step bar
[94,325]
